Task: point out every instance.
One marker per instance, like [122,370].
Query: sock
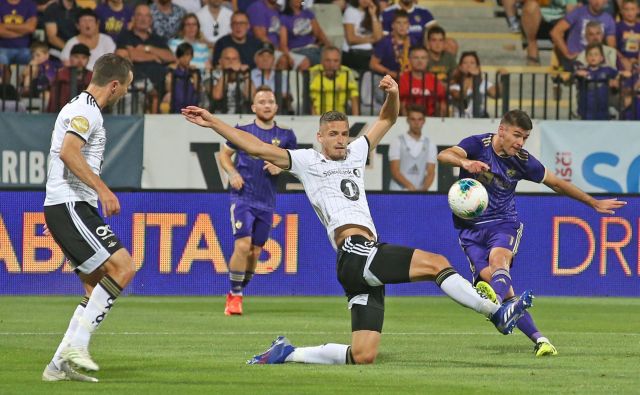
[501,283]
[247,277]
[236,279]
[528,327]
[463,292]
[73,324]
[100,302]
[327,354]
[513,20]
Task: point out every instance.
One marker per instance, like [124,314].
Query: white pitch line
[288,333]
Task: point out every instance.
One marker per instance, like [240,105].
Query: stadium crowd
[216,53]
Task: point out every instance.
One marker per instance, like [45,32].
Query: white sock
[73,324]
[327,354]
[99,305]
[463,292]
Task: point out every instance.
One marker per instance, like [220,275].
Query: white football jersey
[82,117]
[335,188]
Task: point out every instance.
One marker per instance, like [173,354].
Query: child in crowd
[182,82]
[38,75]
[628,35]
[594,80]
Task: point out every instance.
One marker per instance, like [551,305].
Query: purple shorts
[247,221]
[478,242]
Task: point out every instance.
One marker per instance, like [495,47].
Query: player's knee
[243,248]
[364,357]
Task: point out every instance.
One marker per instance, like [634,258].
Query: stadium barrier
[181,243]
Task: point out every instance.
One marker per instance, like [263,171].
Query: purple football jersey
[259,188]
[500,181]
[17,14]
[419,17]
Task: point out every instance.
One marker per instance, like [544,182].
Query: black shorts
[544,31]
[81,234]
[364,266]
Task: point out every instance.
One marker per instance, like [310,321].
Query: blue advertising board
[181,244]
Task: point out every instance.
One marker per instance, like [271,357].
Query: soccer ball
[468,198]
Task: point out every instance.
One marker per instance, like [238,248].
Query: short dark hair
[597,46]
[85,12]
[517,118]
[184,49]
[415,108]
[436,30]
[39,45]
[400,14]
[333,116]
[111,67]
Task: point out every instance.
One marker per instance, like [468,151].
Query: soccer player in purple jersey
[491,240]
[253,194]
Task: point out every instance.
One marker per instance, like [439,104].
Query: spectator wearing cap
[264,16]
[18,23]
[265,74]
[215,20]
[89,35]
[166,18]
[71,80]
[239,39]
[147,51]
[60,24]
[114,17]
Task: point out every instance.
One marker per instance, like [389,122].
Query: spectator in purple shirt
[628,34]
[19,21]
[300,31]
[575,23]
[114,17]
[391,54]
[264,16]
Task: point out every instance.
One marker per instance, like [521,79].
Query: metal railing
[543,96]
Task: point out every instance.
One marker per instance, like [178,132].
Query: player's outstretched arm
[388,113]
[241,139]
[456,156]
[71,156]
[603,206]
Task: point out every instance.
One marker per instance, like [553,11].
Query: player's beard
[266,119]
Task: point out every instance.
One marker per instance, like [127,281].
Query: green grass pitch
[430,345]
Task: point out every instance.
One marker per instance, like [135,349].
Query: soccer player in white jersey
[334,183]
[70,208]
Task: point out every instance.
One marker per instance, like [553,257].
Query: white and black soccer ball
[468,198]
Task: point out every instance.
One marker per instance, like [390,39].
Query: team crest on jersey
[511,173]
[238,224]
[80,124]
[356,172]
[275,141]
[417,18]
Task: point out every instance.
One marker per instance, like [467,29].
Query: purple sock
[528,327]
[501,283]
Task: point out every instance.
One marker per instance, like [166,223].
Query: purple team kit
[252,206]
[498,226]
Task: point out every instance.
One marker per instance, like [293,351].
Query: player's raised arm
[388,113]
[603,206]
[241,139]
[456,156]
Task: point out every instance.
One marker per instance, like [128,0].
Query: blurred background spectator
[300,32]
[89,35]
[419,87]
[70,81]
[166,18]
[19,19]
[362,29]
[190,32]
[215,21]
[114,17]
[333,86]
[60,24]
[239,39]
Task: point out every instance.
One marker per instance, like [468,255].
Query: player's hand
[236,181]
[607,206]
[198,116]
[388,84]
[46,231]
[110,203]
[474,166]
[271,168]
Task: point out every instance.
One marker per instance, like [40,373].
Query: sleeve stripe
[77,134]
[290,160]
[368,143]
